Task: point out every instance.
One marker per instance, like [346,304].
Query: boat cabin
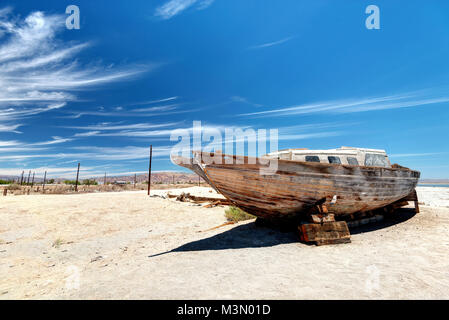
[344,155]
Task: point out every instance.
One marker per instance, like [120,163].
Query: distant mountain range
[157,177]
[434,181]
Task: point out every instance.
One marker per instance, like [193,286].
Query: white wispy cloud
[5,150]
[270,44]
[407,100]
[55,140]
[153,101]
[110,126]
[118,153]
[9,143]
[244,100]
[14,146]
[87,134]
[39,72]
[167,107]
[9,128]
[173,7]
[166,132]
[137,110]
[297,132]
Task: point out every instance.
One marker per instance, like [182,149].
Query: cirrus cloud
[39,72]
[173,7]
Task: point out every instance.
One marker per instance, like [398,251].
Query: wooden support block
[413,196]
[326,233]
[416,206]
[323,209]
[321,218]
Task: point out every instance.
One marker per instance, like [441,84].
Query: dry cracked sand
[129,246]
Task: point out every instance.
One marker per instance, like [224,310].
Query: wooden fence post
[43,185]
[149,170]
[77,175]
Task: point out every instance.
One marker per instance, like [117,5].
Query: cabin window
[375,160]
[333,159]
[352,161]
[312,159]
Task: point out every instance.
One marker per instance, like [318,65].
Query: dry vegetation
[235,214]
[15,189]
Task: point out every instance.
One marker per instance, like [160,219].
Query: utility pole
[149,170]
[32,182]
[104,182]
[77,175]
[29,174]
[135,179]
[45,178]
[21,178]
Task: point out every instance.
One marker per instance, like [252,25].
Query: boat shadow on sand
[399,216]
[252,236]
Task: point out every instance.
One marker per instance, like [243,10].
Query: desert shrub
[57,243]
[90,182]
[14,186]
[6,181]
[70,182]
[236,214]
[58,189]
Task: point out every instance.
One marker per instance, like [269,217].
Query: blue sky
[137,70]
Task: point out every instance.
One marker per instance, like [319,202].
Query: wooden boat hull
[297,186]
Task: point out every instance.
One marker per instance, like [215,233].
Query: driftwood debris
[212,202]
[221,225]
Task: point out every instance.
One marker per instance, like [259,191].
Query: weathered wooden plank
[321,218]
[359,222]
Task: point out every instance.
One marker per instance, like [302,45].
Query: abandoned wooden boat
[345,180]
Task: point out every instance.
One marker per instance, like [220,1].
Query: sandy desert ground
[129,246]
